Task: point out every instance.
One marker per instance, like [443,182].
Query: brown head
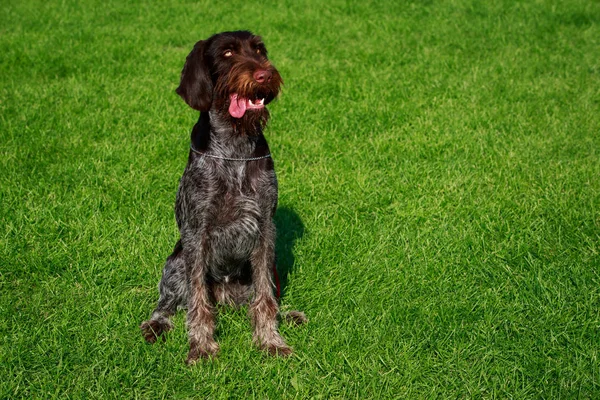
[230,73]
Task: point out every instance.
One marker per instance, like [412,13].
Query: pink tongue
[237,107]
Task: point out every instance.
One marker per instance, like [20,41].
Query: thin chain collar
[227,158]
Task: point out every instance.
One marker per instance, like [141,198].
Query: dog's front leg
[264,307]
[200,316]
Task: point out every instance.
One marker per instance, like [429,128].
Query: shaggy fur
[225,202]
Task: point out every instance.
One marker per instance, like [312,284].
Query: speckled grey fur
[224,209]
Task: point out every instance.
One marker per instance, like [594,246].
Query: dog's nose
[262,76]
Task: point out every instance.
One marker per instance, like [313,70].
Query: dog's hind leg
[173,291]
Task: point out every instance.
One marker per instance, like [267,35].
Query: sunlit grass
[438,167]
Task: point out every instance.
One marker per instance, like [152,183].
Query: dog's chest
[235,226]
[237,203]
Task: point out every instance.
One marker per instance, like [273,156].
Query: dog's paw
[208,349]
[279,351]
[273,344]
[152,329]
[294,317]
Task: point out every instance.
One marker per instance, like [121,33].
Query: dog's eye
[257,51]
[228,53]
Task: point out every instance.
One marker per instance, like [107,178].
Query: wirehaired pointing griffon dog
[226,199]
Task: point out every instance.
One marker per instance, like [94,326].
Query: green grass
[439,169]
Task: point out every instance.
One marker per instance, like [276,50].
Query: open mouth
[239,105]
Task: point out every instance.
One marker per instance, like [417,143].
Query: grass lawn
[439,221]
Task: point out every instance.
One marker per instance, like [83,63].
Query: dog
[226,199]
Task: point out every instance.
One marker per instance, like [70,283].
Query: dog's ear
[196,86]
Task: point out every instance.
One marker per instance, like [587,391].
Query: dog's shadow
[289,229]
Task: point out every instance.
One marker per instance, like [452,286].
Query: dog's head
[230,72]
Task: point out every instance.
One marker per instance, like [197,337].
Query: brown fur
[225,208]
